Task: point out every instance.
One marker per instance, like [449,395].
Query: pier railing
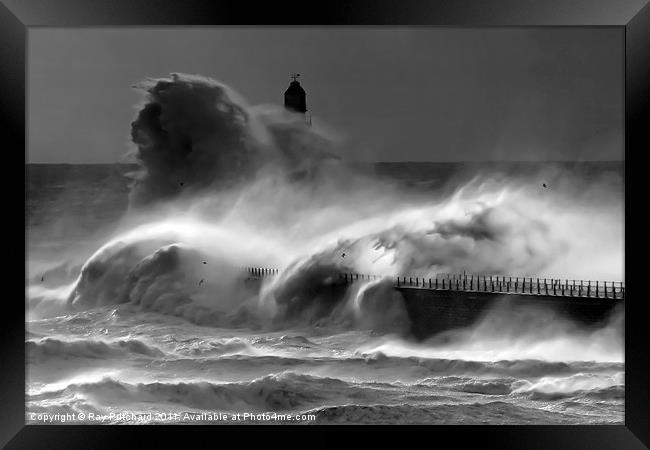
[485,283]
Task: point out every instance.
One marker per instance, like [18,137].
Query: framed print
[410,215]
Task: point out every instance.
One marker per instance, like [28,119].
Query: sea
[167,329]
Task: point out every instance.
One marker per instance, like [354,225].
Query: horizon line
[371,162]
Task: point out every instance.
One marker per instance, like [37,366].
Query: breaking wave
[50,348]
[279,392]
[195,133]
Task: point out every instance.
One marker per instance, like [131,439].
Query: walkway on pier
[490,284]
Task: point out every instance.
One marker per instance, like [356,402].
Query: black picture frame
[17,16]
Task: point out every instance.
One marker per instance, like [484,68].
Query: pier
[614,290]
[450,301]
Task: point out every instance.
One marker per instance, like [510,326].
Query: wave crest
[47,348]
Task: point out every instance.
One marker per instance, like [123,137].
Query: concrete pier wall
[449,302]
[434,311]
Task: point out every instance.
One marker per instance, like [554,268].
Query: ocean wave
[285,391]
[563,388]
[514,368]
[497,412]
[608,393]
[208,348]
[47,348]
[487,387]
[285,340]
[581,385]
[254,347]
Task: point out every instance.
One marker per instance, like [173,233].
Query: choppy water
[115,360]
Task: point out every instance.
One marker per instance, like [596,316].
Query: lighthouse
[295,98]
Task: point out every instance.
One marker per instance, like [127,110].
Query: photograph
[315,225]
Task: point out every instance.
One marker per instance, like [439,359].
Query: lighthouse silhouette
[295,98]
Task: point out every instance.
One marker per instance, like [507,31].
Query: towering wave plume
[192,133]
[195,133]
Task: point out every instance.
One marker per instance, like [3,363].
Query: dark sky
[393,94]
